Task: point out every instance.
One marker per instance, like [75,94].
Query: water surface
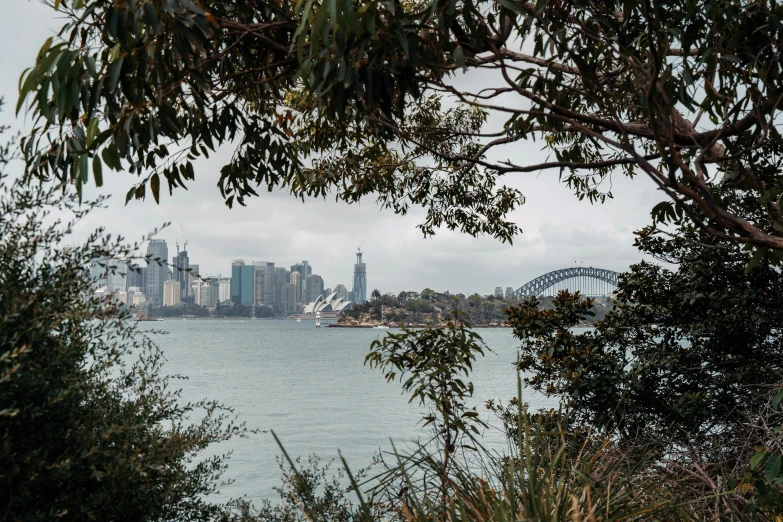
[311,387]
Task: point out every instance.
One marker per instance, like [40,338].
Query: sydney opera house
[329,307]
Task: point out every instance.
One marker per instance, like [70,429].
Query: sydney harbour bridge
[589,281]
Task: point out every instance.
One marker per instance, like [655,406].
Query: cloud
[558,230]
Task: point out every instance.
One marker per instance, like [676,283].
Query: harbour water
[311,387]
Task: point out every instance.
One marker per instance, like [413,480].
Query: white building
[171,293]
[196,288]
[224,294]
[135,296]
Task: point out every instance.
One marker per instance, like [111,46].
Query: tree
[686,355]
[372,92]
[375,295]
[90,429]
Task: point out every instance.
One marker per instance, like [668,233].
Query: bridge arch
[589,281]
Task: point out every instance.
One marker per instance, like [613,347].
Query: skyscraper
[180,264]
[224,294]
[315,287]
[359,280]
[157,271]
[280,280]
[135,276]
[236,280]
[289,297]
[341,292]
[247,284]
[296,280]
[304,270]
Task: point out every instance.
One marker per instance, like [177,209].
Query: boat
[382,325]
[298,319]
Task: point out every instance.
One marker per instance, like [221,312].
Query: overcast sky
[558,229]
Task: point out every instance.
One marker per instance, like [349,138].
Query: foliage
[684,354]
[358,98]
[431,363]
[90,429]
[308,493]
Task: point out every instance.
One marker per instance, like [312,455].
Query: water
[311,387]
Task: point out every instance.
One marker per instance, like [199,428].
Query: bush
[90,429]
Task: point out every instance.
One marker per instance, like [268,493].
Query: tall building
[171,293]
[315,287]
[304,270]
[289,298]
[498,291]
[116,275]
[326,292]
[224,294]
[135,296]
[296,280]
[98,271]
[247,284]
[509,292]
[157,271]
[210,290]
[196,291]
[193,274]
[281,278]
[236,280]
[180,265]
[359,280]
[264,283]
[341,292]
[135,276]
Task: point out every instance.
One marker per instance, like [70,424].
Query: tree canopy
[392,99]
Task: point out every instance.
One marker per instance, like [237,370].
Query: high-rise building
[296,280]
[116,275]
[341,292]
[498,291]
[196,291]
[247,284]
[509,292]
[157,271]
[194,274]
[171,293]
[210,291]
[264,283]
[326,292]
[289,298]
[315,287]
[236,280]
[224,294]
[135,276]
[359,280]
[98,271]
[180,265]
[304,270]
[280,280]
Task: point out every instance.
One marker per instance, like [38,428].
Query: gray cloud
[558,230]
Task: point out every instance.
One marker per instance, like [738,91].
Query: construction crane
[359,248]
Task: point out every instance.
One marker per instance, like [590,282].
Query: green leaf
[155,187]
[758,458]
[92,130]
[97,171]
[116,68]
[772,469]
[758,255]
[777,399]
